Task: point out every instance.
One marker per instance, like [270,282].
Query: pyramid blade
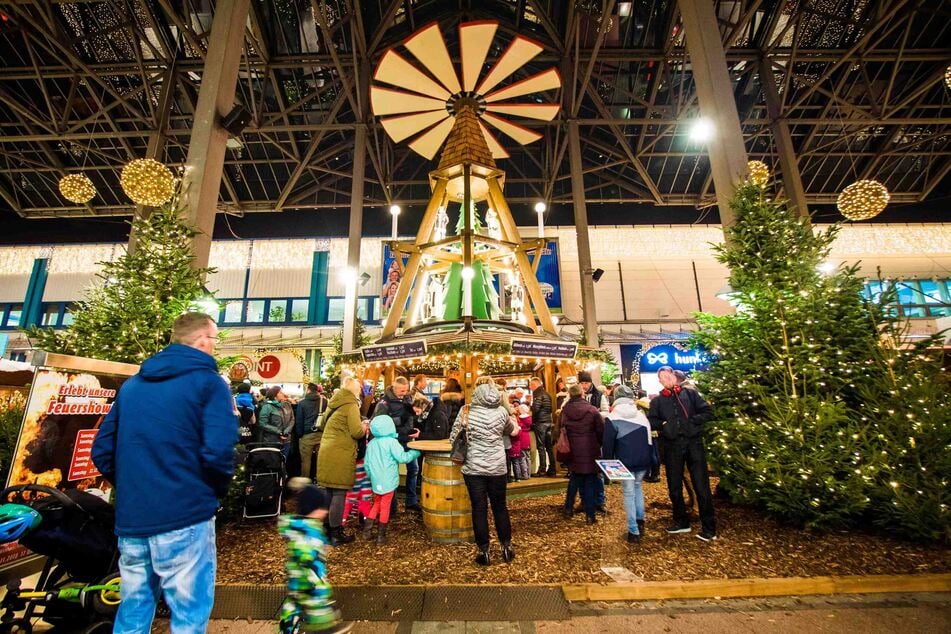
[385,101]
[498,152]
[545,80]
[400,128]
[520,52]
[517,132]
[543,111]
[428,143]
[396,71]
[428,46]
[475,38]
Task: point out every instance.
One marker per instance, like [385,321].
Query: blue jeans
[634,500]
[180,565]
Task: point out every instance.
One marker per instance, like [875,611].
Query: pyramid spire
[466,144]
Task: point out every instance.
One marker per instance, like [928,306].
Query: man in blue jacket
[168,447]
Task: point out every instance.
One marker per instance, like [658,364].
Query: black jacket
[434,423]
[679,417]
[400,410]
[308,411]
[541,407]
[453,402]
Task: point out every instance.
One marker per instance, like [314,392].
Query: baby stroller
[78,588]
[266,476]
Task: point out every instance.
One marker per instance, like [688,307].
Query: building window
[255,311]
[50,315]
[14,313]
[232,311]
[299,310]
[277,311]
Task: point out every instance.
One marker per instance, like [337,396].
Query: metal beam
[581,234]
[354,237]
[792,181]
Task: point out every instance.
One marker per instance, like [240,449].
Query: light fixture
[827,267]
[596,274]
[863,200]
[540,207]
[947,76]
[77,188]
[395,210]
[701,130]
[759,172]
[147,182]
[348,275]
[468,273]
[364,278]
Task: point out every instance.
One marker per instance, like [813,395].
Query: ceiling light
[701,130]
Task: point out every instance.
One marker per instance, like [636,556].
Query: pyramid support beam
[581,234]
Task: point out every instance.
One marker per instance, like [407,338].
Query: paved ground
[846,614]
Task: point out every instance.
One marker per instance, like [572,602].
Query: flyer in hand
[615,470]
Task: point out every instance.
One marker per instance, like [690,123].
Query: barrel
[447,513]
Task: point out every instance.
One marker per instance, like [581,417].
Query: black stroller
[78,588]
[266,474]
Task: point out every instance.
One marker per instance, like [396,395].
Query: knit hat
[584,377]
[623,391]
[310,499]
[523,410]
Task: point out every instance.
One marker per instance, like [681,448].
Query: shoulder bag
[460,446]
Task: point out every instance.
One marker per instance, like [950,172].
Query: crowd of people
[350,450]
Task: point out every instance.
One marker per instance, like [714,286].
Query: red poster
[81,466]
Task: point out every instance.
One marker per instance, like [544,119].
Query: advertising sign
[542,348]
[549,276]
[392,351]
[677,357]
[270,367]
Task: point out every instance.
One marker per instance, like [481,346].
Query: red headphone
[670,391]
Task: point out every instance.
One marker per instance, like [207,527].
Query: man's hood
[487,395]
[176,360]
[382,427]
[626,409]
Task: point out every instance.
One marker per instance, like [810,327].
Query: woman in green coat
[337,456]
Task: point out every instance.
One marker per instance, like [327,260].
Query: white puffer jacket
[488,423]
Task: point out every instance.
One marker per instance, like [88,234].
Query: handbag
[460,446]
[563,448]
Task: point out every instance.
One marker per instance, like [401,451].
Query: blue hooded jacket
[168,443]
[384,455]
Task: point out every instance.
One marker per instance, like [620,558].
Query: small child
[383,457]
[360,497]
[309,604]
[525,441]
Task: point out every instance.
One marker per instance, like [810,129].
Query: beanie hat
[584,377]
[310,499]
[623,391]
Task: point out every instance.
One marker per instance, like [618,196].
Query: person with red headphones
[679,414]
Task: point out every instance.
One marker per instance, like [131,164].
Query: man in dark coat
[541,427]
[307,426]
[680,414]
[585,428]
[397,404]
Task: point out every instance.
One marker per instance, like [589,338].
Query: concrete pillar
[355,235]
[792,180]
[581,233]
[717,103]
[206,149]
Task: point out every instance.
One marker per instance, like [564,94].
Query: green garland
[480,347]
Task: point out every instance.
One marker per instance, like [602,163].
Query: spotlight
[540,207]
[395,210]
[468,273]
[701,130]
[596,274]
[348,275]
[236,121]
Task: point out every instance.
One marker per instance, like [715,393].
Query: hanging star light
[147,182]
[759,172]
[863,200]
[77,188]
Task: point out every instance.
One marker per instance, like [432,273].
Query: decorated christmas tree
[819,419]
[127,314]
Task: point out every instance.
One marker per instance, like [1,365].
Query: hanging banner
[392,351]
[543,348]
[392,276]
[549,276]
[270,367]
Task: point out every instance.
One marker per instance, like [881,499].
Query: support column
[726,149]
[792,180]
[206,149]
[355,235]
[581,233]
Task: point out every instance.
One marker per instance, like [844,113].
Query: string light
[77,188]
[147,182]
[947,76]
[759,172]
[863,200]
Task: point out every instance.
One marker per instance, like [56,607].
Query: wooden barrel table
[447,513]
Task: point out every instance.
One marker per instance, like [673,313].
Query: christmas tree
[127,315]
[813,410]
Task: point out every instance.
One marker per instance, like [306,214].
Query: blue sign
[549,276]
[676,357]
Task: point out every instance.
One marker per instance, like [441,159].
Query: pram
[78,588]
[266,475]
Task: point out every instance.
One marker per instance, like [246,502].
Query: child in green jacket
[383,457]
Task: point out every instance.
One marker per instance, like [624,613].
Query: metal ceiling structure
[87,85]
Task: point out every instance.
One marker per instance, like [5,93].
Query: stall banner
[63,413]
[392,275]
[269,367]
[549,276]
[392,351]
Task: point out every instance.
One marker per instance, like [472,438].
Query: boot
[508,553]
[381,534]
[338,537]
[483,557]
[368,530]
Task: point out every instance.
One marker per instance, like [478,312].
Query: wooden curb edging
[757,587]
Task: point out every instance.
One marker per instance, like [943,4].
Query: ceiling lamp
[77,188]
[147,182]
[947,76]
[862,200]
[759,172]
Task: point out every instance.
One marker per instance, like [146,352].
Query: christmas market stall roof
[86,86]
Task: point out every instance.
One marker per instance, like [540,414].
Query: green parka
[337,457]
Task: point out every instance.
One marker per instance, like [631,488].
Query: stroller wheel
[105,602]
[99,627]
[19,626]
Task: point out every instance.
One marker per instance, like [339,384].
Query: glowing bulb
[826,267]
[349,275]
[395,210]
[701,130]
[540,207]
[468,273]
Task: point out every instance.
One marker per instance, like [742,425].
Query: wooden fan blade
[385,101]
[475,38]
[520,52]
[545,80]
[428,46]
[428,143]
[400,128]
[498,152]
[396,71]
[543,111]
[517,132]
